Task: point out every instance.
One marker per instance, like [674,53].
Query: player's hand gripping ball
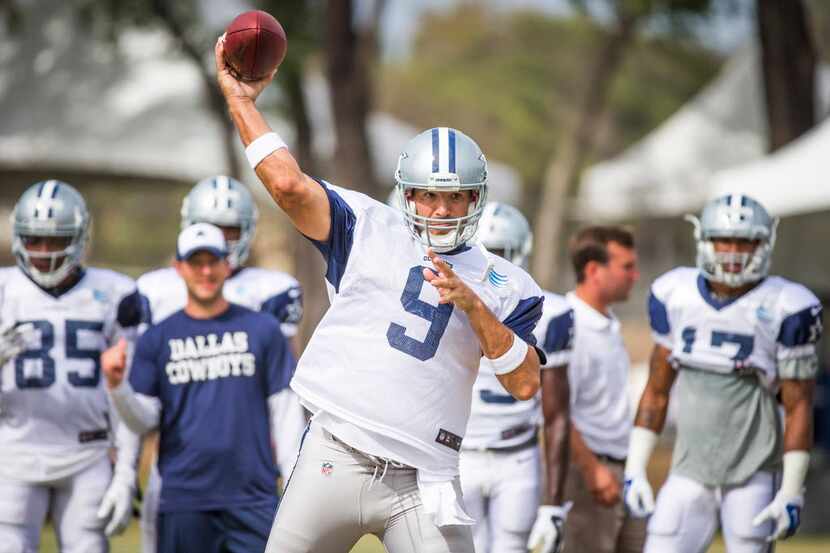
[255,45]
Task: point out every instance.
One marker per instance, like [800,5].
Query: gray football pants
[336,494]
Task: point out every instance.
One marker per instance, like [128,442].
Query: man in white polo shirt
[605,264]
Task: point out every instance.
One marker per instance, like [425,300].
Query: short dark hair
[591,244]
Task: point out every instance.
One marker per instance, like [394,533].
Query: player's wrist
[112,383]
[640,447]
[121,388]
[559,511]
[796,464]
[239,103]
[508,361]
[124,476]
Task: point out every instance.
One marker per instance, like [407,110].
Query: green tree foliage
[512,80]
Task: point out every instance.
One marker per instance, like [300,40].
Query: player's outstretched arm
[495,338]
[556,429]
[797,400]
[651,416]
[654,403]
[302,199]
[547,533]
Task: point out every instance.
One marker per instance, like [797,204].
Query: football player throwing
[388,372]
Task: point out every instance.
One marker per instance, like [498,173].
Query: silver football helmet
[442,160]
[53,209]
[504,230]
[224,202]
[734,216]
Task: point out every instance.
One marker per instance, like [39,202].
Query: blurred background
[590,111]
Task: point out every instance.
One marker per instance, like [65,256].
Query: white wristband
[509,360]
[796,464]
[262,147]
[640,445]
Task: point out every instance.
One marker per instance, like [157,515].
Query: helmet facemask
[442,234]
[734,269]
[51,209]
[441,160]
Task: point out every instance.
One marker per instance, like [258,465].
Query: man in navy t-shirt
[210,378]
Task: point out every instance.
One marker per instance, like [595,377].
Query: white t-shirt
[598,378]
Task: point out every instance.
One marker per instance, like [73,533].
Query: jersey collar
[58,291]
[590,316]
[715,302]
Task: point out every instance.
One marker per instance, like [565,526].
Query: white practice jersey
[774,325]
[54,413]
[273,292]
[497,419]
[387,357]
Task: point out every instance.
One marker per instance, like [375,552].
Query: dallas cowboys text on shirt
[199,358]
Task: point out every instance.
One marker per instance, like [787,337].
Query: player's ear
[179,266]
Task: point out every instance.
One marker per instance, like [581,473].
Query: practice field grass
[130,540]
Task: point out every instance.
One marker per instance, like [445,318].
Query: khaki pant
[336,494]
[594,528]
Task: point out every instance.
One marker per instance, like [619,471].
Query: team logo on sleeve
[763,314]
[496,279]
[99,296]
[326,468]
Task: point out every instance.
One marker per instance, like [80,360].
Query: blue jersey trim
[524,318]
[801,328]
[559,334]
[297,460]
[451,135]
[130,310]
[146,310]
[435,150]
[658,316]
[278,304]
[338,246]
[706,294]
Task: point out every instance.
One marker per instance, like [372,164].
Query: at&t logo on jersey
[200,358]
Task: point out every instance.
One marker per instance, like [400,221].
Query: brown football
[255,45]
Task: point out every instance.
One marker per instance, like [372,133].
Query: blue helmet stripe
[40,188]
[55,191]
[452,150]
[435,154]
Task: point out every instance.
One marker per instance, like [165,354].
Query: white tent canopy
[793,180]
[670,170]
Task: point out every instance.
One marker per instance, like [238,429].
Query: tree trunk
[216,102]
[350,55]
[573,148]
[788,59]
